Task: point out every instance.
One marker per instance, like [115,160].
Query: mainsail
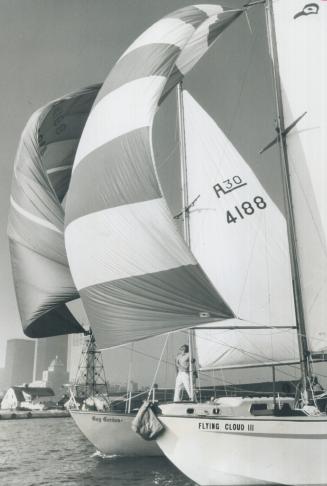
[300,31]
[239,237]
[42,172]
[135,274]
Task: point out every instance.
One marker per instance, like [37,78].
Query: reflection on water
[52,452]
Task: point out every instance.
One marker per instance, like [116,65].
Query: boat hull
[239,451]
[111,433]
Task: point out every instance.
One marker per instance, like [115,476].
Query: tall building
[19,362]
[75,347]
[46,351]
[2,380]
[55,377]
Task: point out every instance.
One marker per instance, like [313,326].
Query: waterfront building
[46,351]
[19,362]
[30,398]
[55,377]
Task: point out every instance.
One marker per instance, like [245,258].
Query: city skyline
[19,362]
[26,360]
[46,349]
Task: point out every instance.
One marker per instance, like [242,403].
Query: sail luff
[296,280]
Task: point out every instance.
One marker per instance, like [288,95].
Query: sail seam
[33,218]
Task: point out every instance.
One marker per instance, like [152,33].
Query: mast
[186,222]
[182,151]
[297,291]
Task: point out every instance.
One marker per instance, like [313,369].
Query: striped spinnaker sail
[134,272]
[42,171]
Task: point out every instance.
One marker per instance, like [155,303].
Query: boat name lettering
[106,419]
[245,209]
[227,427]
[228,185]
[112,419]
[96,419]
[234,426]
[209,425]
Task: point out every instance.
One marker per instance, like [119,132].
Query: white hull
[111,434]
[243,451]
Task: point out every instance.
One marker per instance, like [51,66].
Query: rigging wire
[282,369]
[236,348]
[243,82]
[214,382]
[168,157]
[129,379]
[255,355]
[158,366]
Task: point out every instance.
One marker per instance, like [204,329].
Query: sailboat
[105,421]
[42,278]
[223,441]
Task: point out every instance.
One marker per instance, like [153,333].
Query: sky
[53,47]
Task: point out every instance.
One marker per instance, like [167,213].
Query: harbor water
[52,452]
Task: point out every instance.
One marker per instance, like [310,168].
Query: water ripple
[52,452]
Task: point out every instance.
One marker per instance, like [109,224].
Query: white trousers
[182,382]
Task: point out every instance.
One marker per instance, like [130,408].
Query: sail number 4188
[245,209]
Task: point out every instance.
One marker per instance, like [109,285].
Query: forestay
[301,36]
[42,172]
[239,237]
[134,272]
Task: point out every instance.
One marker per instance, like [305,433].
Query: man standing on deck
[182,363]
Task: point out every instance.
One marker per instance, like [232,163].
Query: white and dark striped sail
[135,274]
[42,172]
[239,237]
[301,38]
